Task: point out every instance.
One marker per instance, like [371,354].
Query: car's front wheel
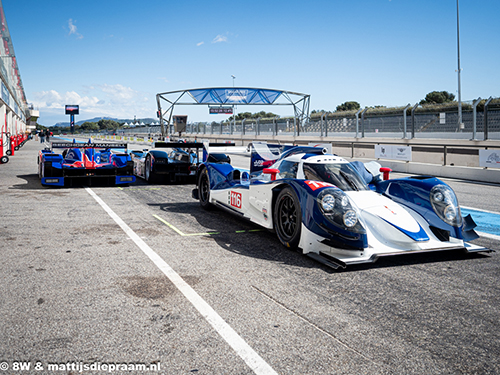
[288,218]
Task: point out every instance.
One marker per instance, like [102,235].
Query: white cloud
[219,39]
[199,44]
[101,100]
[73,29]
[118,91]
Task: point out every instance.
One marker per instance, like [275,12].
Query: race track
[143,275]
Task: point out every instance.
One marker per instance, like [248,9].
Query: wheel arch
[276,191]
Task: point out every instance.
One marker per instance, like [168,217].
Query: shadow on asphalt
[242,237]
[414,259]
[32,183]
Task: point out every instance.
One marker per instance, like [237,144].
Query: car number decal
[235,199]
[313,185]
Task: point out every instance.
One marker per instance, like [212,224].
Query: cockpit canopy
[334,170]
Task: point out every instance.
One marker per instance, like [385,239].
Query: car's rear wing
[88,145]
[263,155]
[189,144]
[194,145]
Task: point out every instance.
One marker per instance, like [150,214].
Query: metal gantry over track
[231,96]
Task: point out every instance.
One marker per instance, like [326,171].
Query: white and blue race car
[336,211]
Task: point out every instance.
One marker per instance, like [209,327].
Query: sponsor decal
[235,199]
[314,185]
[394,213]
[264,213]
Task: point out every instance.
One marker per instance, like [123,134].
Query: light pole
[234,112]
[459,84]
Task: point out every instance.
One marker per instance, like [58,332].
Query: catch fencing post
[404,120]
[474,118]
[357,122]
[322,123]
[413,120]
[486,117]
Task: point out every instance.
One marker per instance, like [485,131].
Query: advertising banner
[489,158]
[394,152]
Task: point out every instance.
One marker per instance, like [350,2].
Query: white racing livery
[336,211]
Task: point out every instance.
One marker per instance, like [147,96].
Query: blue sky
[113,56]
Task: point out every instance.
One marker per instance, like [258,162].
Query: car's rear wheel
[288,218]
[4,159]
[148,174]
[204,190]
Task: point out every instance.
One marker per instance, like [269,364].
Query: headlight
[445,205]
[450,212]
[335,206]
[350,218]
[328,202]
[438,196]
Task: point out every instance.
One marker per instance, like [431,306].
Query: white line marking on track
[480,210]
[488,235]
[250,356]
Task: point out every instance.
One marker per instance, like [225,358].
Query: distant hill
[96,119]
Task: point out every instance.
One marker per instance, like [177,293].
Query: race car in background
[85,163]
[335,211]
[171,162]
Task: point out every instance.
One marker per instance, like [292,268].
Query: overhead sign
[394,152]
[221,110]
[72,109]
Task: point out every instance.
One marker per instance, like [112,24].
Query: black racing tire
[204,190]
[288,218]
[4,159]
[16,148]
[148,173]
[8,152]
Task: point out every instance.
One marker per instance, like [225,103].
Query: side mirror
[272,171]
[245,178]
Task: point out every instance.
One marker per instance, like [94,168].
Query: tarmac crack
[303,318]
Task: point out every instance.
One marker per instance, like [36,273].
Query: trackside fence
[480,121]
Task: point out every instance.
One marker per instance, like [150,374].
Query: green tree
[90,126]
[438,97]
[348,106]
[108,124]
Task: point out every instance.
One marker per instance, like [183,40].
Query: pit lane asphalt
[76,288]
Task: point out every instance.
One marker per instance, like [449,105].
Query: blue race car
[171,161]
[84,163]
[335,211]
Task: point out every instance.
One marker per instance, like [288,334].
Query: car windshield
[342,175]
